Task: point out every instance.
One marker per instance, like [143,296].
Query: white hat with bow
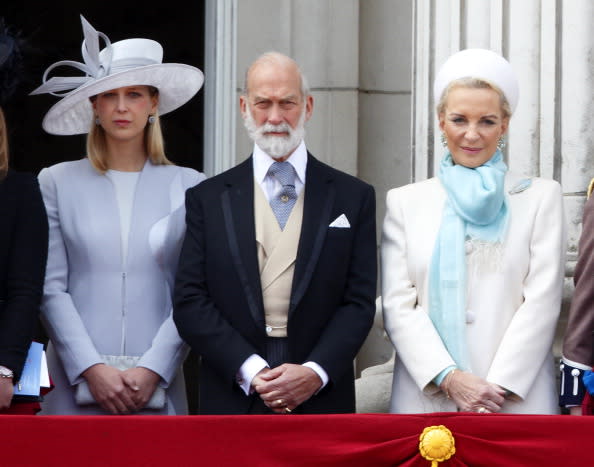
[129,62]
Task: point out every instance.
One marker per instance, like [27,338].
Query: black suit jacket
[23,254]
[218,299]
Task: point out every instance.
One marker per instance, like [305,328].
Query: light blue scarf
[475,209]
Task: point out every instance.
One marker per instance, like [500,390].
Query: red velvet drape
[306,440]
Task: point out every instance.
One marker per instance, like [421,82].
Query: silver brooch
[522,185]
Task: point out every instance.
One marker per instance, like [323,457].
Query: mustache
[270,128]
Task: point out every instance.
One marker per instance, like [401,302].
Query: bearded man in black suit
[276,282]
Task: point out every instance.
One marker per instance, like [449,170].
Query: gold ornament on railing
[436,444]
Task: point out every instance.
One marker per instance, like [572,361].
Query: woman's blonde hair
[3,146]
[473,83]
[153,141]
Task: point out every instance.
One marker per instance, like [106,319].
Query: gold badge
[436,444]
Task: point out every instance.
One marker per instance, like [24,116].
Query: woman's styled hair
[473,83]
[153,141]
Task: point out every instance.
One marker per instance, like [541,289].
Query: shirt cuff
[440,377]
[250,368]
[572,389]
[320,372]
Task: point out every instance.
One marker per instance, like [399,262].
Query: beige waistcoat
[277,250]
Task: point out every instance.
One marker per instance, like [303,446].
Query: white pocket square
[341,222]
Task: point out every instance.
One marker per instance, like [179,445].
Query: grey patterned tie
[282,203]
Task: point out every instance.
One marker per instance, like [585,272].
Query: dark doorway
[53,31]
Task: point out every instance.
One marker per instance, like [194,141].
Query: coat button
[470,316]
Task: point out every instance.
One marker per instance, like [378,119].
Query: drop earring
[444,140]
[97,121]
[501,143]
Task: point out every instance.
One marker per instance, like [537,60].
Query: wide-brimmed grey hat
[129,62]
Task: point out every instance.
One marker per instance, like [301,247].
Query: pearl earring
[151,119]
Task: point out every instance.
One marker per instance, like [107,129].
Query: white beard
[275,146]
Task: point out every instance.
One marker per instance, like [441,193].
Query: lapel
[237,201]
[147,207]
[515,183]
[98,191]
[317,207]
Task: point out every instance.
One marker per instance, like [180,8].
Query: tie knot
[283,172]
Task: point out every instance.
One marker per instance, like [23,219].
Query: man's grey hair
[277,58]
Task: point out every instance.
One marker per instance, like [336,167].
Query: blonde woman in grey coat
[116,224]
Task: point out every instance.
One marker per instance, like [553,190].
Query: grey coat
[96,302]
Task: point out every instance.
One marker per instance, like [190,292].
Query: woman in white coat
[116,222]
[473,260]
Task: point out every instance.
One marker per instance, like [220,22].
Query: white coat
[96,302]
[511,312]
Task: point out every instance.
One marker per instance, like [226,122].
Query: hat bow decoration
[95,65]
[92,66]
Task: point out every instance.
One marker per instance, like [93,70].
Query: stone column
[322,36]
[385,77]
[572,135]
[219,85]
[385,54]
